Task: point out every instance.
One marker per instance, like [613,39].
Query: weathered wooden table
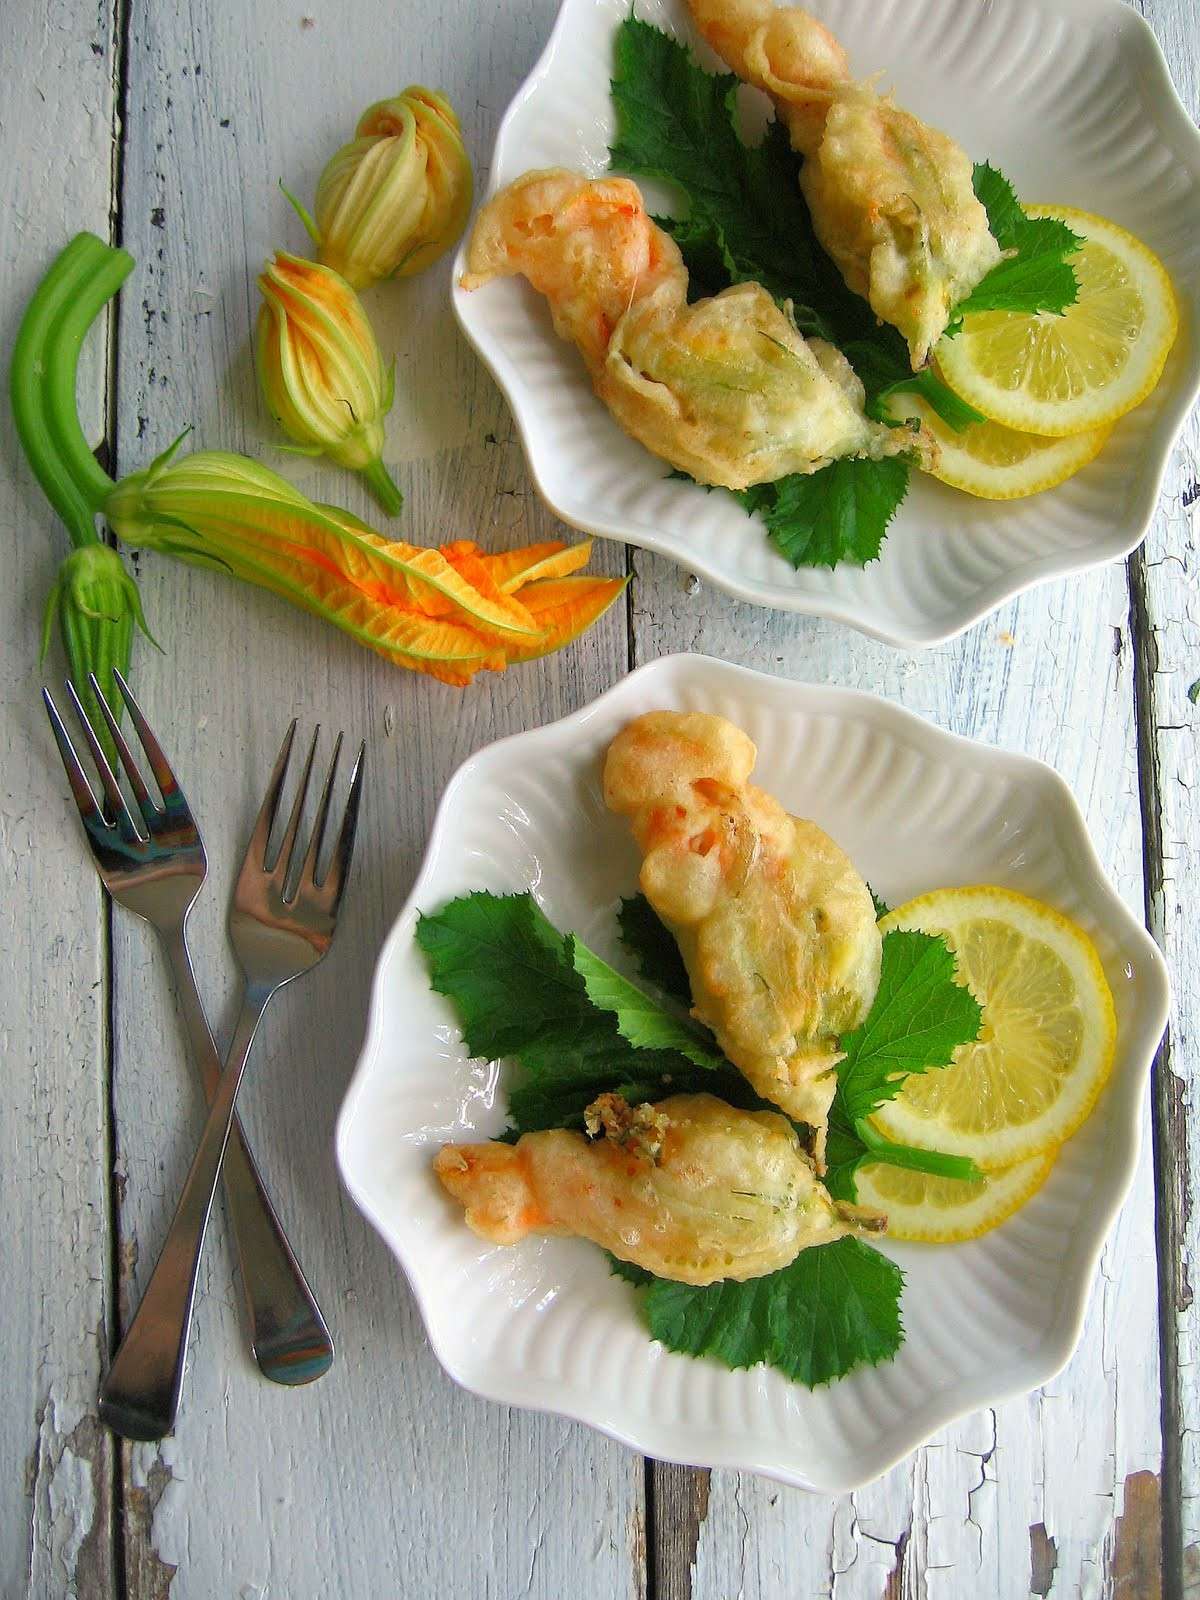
[165,125]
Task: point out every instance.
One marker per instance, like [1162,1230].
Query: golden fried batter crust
[776,927]
[725,389]
[891,198]
[727,1193]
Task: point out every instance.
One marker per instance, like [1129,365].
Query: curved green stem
[27,390]
[107,270]
[382,487]
[934,1162]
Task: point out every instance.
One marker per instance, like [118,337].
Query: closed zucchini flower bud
[96,605]
[398,195]
[321,371]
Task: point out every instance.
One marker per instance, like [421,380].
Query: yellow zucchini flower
[321,371]
[449,612]
[398,195]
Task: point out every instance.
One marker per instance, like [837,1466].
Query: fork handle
[290,1340]
[140,1392]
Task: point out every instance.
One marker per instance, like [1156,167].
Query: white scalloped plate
[1073,100]
[544,1324]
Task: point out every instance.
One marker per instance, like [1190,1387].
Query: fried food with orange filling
[726,389]
[688,1189]
[776,927]
[891,198]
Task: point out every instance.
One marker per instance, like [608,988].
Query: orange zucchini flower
[449,612]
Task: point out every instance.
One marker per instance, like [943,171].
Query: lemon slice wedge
[993,462]
[947,1210]
[1047,1040]
[1055,375]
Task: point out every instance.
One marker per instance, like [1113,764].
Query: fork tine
[159,765]
[287,845]
[334,882]
[308,871]
[108,782]
[256,850]
[132,771]
[89,809]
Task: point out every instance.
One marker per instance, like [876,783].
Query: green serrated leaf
[505,967]
[1040,281]
[999,199]
[919,1018]
[641,1020]
[1193,693]
[1035,276]
[840,513]
[638,1276]
[652,945]
[881,906]
[511,978]
[678,123]
[837,1307]
[508,972]
[844,1154]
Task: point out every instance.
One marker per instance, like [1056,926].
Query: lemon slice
[1056,375]
[945,1210]
[998,463]
[1047,1039]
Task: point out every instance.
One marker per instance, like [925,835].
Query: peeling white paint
[956,1516]
[55,118]
[63,1500]
[384,1478]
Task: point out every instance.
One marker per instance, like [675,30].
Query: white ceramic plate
[545,1324]
[1073,100]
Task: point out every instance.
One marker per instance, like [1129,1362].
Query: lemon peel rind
[1045,418]
[984,483]
[1007,1208]
[998,1151]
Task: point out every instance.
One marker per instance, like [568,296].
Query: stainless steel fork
[281,924]
[157,871]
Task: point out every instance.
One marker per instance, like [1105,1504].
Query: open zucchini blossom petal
[321,371]
[398,195]
[448,612]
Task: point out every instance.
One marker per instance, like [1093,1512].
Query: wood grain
[1165,575]
[55,1461]
[384,1478]
[1050,674]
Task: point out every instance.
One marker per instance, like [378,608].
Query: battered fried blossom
[726,389]
[776,927]
[688,1189]
[891,198]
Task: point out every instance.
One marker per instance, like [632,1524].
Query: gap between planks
[121,1505]
[1167,1109]
[677,1496]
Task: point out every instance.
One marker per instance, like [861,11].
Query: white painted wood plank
[1049,675]
[383,1478]
[1170,576]
[56,112]
[1173,609]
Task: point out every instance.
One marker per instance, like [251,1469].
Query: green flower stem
[43,374]
[934,1162]
[27,389]
[382,487]
[94,599]
[107,270]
